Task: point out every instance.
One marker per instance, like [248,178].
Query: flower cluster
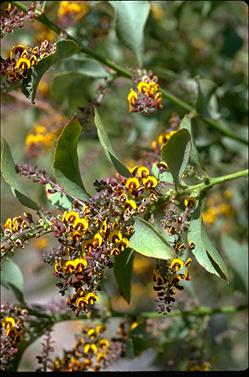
[19,230]
[17,224]
[91,235]
[167,277]
[146,97]
[69,12]
[12,332]
[43,134]
[21,58]
[92,352]
[14,18]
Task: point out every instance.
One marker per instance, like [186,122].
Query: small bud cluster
[92,352]
[146,97]
[21,58]
[15,18]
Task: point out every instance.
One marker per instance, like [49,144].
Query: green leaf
[194,154]
[11,177]
[66,165]
[12,278]
[205,252]
[176,153]
[206,88]
[129,348]
[165,176]
[87,67]
[64,49]
[123,264]
[147,241]
[232,41]
[59,200]
[238,257]
[131,17]
[106,144]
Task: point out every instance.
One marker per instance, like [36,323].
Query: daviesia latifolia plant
[152,203]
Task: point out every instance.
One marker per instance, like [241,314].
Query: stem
[200,311]
[177,101]
[211,122]
[123,72]
[217,180]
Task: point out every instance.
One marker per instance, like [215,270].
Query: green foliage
[11,177]
[130,21]
[86,66]
[12,278]
[205,252]
[205,90]
[198,51]
[123,264]
[138,341]
[194,154]
[176,153]
[59,200]
[147,241]
[64,49]
[236,254]
[66,165]
[106,144]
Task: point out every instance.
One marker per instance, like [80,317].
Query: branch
[198,311]
[216,181]
[8,244]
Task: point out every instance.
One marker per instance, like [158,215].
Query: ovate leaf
[237,255]
[123,264]
[12,278]
[176,153]
[131,17]
[205,252]
[64,49]
[106,144]
[194,154]
[147,241]
[11,177]
[205,90]
[66,165]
